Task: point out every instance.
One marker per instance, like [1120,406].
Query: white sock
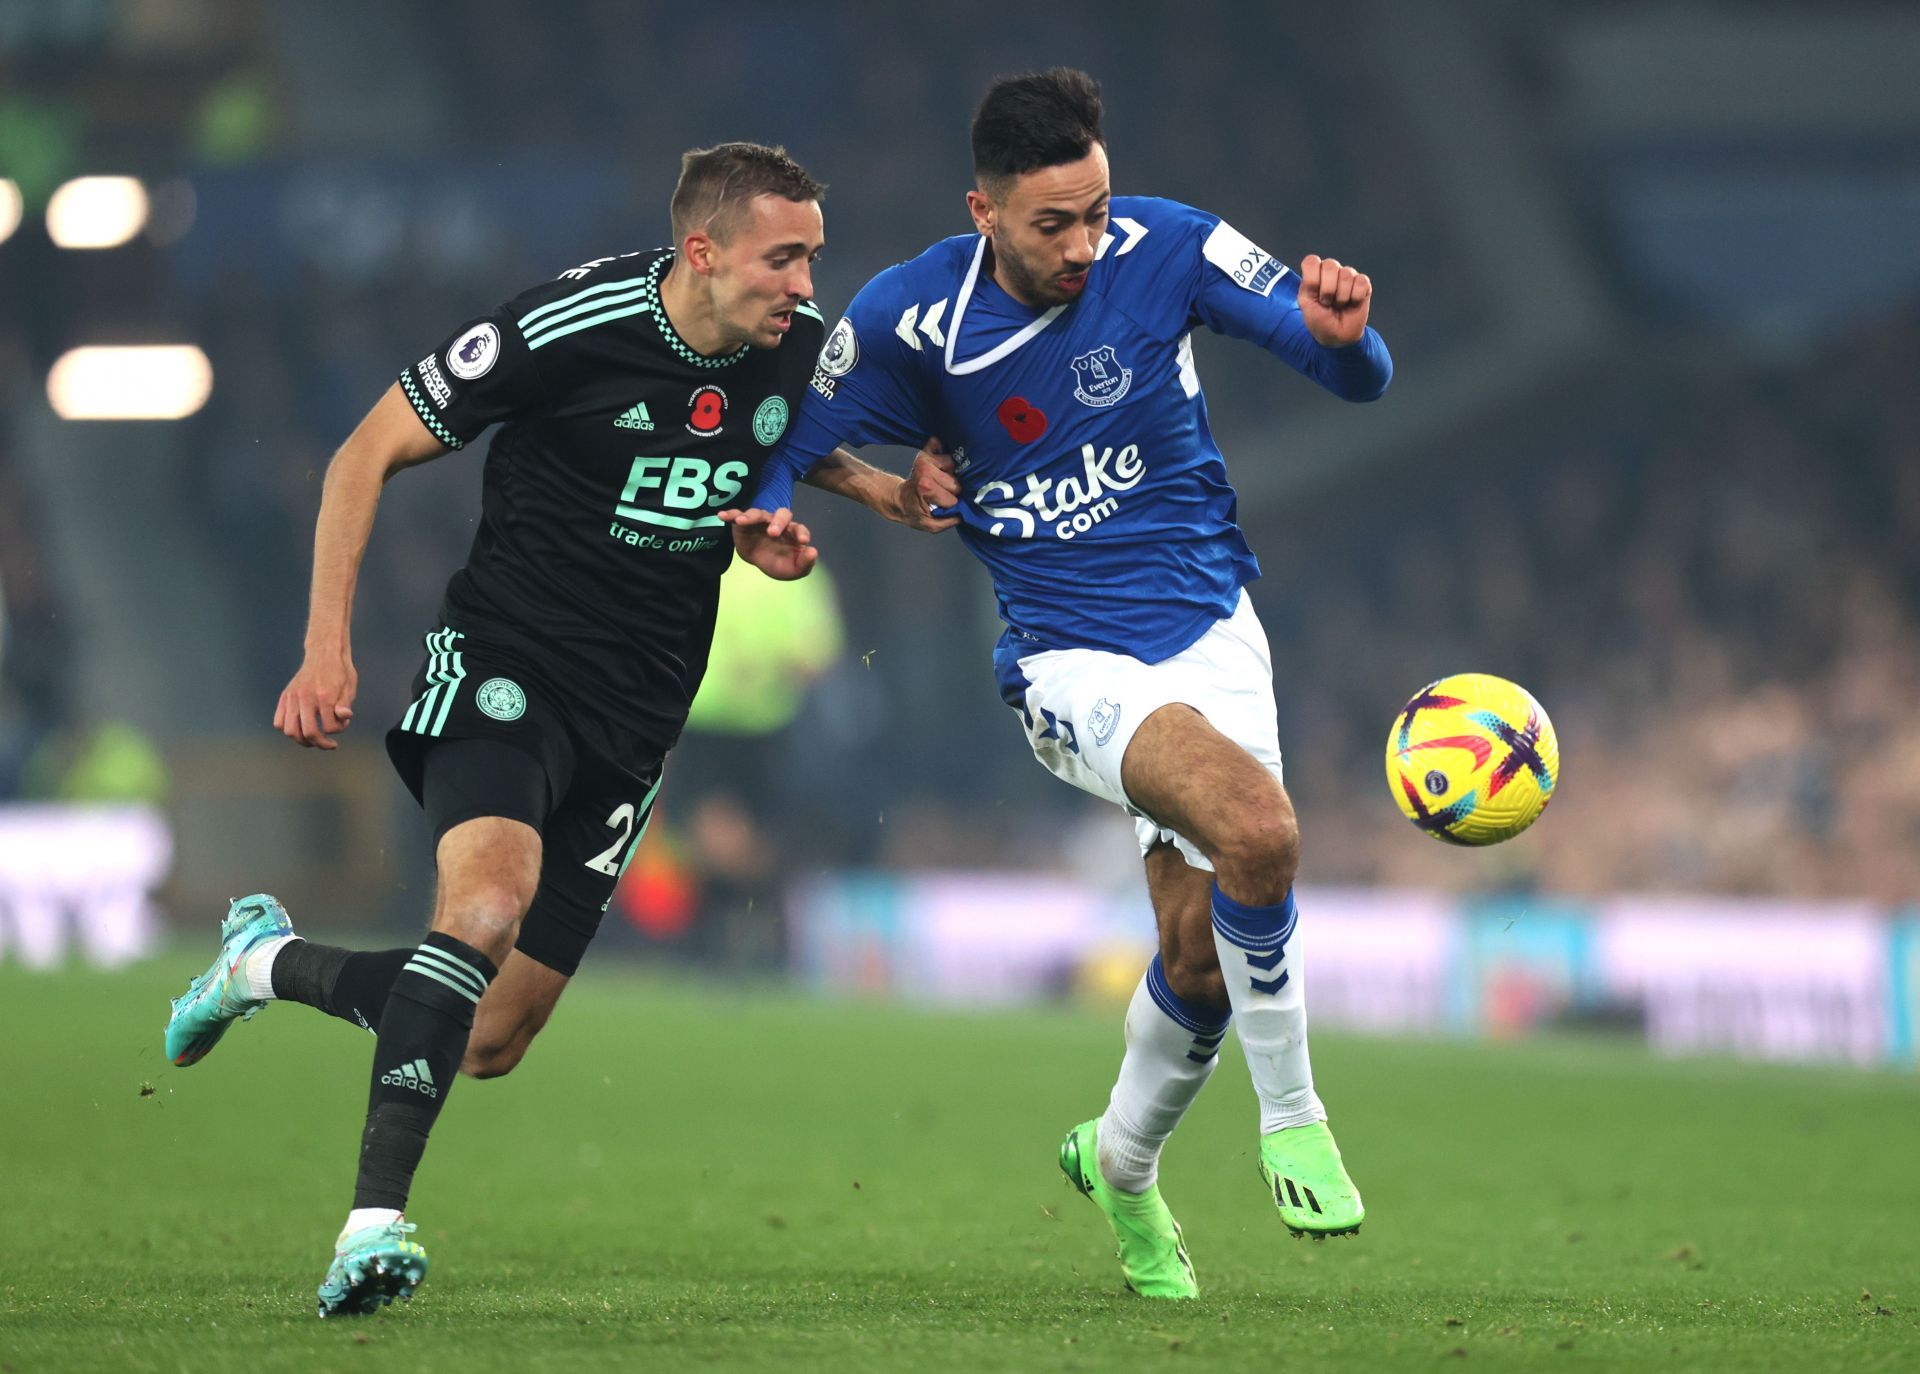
[1172,1048]
[258,967]
[1266,982]
[362,1217]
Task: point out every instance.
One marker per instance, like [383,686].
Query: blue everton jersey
[1092,486]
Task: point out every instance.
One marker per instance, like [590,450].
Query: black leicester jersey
[598,558]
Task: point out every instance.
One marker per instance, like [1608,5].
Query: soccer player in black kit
[640,394]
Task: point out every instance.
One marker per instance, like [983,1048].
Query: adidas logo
[1292,1194]
[636,418]
[414,1075]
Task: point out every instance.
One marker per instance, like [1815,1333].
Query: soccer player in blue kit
[1052,352]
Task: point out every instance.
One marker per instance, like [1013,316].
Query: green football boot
[218,997]
[1310,1185]
[371,1268]
[1152,1256]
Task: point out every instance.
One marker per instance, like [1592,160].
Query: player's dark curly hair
[718,183]
[1034,120]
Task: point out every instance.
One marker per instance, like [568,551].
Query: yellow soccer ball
[1472,759]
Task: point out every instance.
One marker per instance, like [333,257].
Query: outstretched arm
[318,702]
[908,500]
[866,390]
[767,536]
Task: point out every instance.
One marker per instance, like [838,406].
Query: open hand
[1333,301]
[776,543]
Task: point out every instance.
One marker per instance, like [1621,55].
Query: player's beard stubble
[1028,285]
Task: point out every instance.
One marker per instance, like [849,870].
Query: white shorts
[1083,705]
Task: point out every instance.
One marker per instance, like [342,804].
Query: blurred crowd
[1716,596]
[36,658]
[1714,590]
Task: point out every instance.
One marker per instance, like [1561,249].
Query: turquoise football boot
[218,997]
[371,1268]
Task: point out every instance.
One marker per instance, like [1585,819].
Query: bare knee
[1258,853]
[489,868]
[486,915]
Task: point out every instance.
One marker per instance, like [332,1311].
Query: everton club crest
[1099,379]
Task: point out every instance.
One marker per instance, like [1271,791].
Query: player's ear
[981,207]
[697,253]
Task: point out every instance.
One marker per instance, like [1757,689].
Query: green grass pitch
[694,1176]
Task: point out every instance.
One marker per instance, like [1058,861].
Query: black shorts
[484,737]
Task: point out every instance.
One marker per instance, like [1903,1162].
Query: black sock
[423,1037]
[349,984]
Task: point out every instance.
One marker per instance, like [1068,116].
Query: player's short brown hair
[718,183]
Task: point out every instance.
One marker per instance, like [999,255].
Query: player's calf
[1192,971]
[1183,913]
[493,1061]
[495,1049]
[517,1006]
[488,870]
[423,1037]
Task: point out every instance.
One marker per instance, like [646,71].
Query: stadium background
[1653,450]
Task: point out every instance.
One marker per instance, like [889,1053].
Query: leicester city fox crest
[501,698]
[1099,378]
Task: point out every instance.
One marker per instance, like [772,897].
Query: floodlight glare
[143,382]
[9,209]
[97,212]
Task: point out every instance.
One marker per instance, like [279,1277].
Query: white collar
[1005,346]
